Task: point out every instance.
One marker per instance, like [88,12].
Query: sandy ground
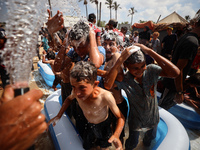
[44,142]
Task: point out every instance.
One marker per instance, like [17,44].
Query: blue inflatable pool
[170,133]
[47,74]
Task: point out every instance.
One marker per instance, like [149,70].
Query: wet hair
[137,57]
[79,32]
[111,36]
[91,17]
[84,70]
[194,79]
[50,55]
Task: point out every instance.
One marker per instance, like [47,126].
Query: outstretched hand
[55,23]
[21,121]
[116,141]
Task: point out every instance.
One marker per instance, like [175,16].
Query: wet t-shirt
[142,98]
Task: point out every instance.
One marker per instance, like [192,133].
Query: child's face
[82,89]
[110,47]
[81,49]
[155,36]
[137,69]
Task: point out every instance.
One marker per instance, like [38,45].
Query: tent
[173,18]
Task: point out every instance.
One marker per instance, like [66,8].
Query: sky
[146,9]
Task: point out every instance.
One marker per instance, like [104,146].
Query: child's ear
[96,83]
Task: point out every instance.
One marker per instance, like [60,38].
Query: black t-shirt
[169,42]
[185,48]
[144,35]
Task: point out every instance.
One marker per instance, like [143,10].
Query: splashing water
[25,18]
[68,7]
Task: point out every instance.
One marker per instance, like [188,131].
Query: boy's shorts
[97,135]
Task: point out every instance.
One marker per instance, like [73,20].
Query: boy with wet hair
[140,83]
[111,42]
[95,103]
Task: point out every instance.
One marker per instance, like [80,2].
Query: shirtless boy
[95,103]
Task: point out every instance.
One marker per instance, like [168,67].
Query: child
[155,42]
[51,59]
[44,43]
[139,83]
[135,37]
[95,103]
[110,43]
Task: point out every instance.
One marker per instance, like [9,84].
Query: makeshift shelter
[173,19]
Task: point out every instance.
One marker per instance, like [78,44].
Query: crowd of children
[92,75]
[94,67]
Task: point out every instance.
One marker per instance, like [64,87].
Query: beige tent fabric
[173,18]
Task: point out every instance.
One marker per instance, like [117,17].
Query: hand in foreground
[116,141]
[55,23]
[21,121]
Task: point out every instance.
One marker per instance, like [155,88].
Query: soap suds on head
[79,34]
[134,49]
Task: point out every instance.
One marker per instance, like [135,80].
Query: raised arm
[95,56]
[168,68]
[55,24]
[113,72]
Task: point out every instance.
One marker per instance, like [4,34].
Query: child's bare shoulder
[105,94]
